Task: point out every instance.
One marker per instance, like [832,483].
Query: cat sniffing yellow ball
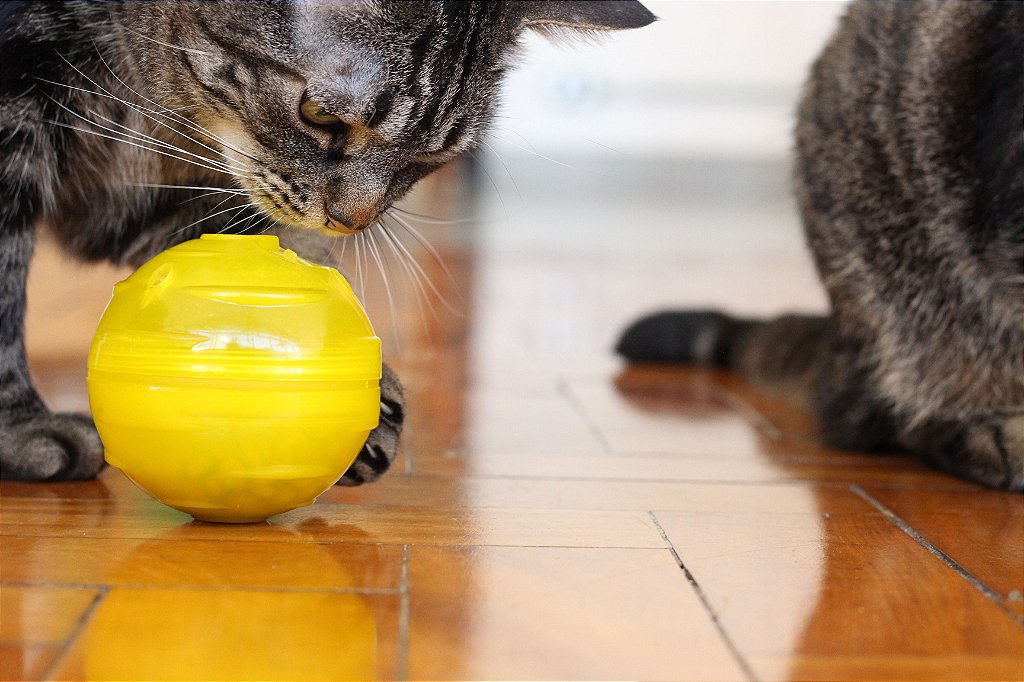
[233,380]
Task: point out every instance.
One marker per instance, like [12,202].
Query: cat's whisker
[239,169]
[418,236]
[432,220]
[375,252]
[232,220]
[208,216]
[344,247]
[134,134]
[181,119]
[155,140]
[517,134]
[504,165]
[585,169]
[419,292]
[271,225]
[135,144]
[497,192]
[215,207]
[160,42]
[229,190]
[242,219]
[330,251]
[212,190]
[535,153]
[195,126]
[249,222]
[201,196]
[359,268]
[413,262]
[143,137]
[139,108]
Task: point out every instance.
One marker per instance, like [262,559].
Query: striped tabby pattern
[910,179]
[131,126]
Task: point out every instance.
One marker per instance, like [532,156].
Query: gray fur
[910,179]
[100,102]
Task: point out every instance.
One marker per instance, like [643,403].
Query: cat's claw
[381,446]
[50,447]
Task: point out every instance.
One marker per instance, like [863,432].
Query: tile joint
[950,562]
[72,637]
[699,591]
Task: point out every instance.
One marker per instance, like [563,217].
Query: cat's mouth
[339,227]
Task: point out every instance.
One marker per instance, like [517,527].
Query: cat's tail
[786,355]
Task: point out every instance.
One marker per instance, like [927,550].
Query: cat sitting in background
[910,179]
[129,127]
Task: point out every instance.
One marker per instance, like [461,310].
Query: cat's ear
[585,15]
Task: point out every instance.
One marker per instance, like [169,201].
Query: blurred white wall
[716,79]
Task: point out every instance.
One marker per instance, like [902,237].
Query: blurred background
[648,169]
[709,80]
[645,169]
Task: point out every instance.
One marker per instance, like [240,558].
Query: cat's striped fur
[130,126]
[910,178]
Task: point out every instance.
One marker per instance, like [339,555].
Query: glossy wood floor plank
[442,492]
[174,558]
[887,471]
[879,597]
[325,523]
[977,529]
[516,535]
[557,613]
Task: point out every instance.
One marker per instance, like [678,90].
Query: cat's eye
[313,112]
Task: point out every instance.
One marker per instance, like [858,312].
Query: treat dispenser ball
[232,380]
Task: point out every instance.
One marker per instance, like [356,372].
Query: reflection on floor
[553,514]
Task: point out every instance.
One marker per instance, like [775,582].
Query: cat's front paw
[381,446]
[50,447]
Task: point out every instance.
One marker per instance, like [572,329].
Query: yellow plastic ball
[233,380]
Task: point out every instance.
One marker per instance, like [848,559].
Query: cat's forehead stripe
[449,71]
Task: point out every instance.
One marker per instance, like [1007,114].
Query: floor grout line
[699,591]
[950,562]
[69,641]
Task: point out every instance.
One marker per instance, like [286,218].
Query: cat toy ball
[232,380]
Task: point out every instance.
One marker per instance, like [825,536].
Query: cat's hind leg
[986,448]
[857,412]
[809,362]
[35,444]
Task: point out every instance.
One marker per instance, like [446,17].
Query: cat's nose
[350,218]
[355,197]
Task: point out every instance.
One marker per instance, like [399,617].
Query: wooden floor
[553,515]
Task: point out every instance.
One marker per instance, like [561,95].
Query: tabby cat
[118,120]
[910,179]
